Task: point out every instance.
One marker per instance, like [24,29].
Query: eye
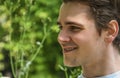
[60,27]
[75,28]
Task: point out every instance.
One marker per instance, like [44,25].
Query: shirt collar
[113,75]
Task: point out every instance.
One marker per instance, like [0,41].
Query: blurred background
[28,40]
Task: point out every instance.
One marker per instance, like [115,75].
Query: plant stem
[11,59]
[34,56]
[66,74]
[27,74]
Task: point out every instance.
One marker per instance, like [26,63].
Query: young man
[90,37]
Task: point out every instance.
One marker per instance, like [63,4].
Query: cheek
[86,40]
[81,39]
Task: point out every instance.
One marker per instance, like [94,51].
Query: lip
[69,49]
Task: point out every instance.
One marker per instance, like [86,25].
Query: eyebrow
[69,22]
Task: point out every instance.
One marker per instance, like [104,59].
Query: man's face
[78,36]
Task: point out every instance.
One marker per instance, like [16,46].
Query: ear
[112,31]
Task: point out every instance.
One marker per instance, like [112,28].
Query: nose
[63,36]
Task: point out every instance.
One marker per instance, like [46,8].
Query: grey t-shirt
[113,75]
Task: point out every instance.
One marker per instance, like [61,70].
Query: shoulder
[81,76]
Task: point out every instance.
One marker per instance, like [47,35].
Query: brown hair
[103,12]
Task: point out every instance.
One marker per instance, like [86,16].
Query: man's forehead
[71,10]
[74,8]
[75,5]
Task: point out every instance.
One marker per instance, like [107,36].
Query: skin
[81,43]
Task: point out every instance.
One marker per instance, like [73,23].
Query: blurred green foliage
[28,37]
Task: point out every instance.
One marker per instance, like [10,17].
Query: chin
[71,64]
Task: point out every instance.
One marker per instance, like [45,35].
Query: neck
[107,64]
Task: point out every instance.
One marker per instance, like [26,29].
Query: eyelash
[60,27]
[72,28]
[75,28]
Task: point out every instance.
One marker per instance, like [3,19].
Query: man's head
[103,11]
[88,28]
